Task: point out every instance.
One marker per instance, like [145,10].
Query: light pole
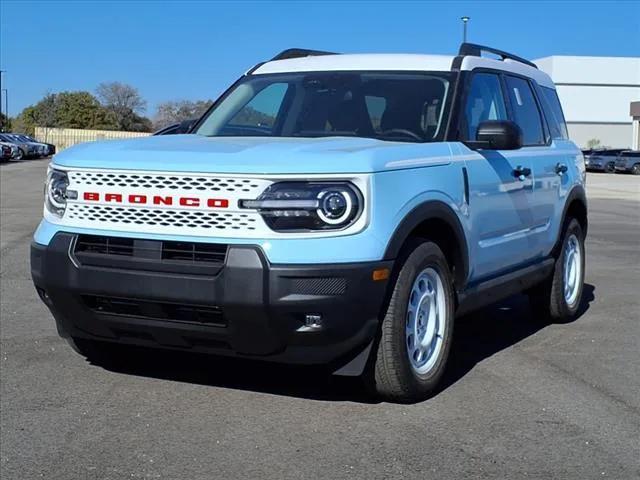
[2,121]
[6,103]
[465,20]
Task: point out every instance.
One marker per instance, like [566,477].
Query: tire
[558,299]
[636,169]
[610,167]
[392,375]
[20,154]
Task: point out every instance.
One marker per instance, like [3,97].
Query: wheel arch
[438,222]
[574,207]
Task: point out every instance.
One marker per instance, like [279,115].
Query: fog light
[312,323]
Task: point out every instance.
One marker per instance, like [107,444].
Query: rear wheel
[558,299]
[636,169]
[417,328]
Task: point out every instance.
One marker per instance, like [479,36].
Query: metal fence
[65,137]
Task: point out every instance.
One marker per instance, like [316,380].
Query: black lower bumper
[246,308]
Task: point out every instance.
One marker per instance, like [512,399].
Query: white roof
[396,62]
[366,61]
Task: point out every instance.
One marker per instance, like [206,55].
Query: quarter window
[484,102]
[553,112]
[525,110]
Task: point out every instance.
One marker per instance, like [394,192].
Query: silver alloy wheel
[426,321]
[572,270]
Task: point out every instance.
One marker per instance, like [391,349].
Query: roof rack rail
[299,53]
[476,51]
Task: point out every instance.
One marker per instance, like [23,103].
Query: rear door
[544,157]
[554,171]
[500,199]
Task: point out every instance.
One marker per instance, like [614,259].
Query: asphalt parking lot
[521,400]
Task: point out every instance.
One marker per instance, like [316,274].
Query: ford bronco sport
[327,209]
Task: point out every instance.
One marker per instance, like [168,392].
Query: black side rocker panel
[498,288]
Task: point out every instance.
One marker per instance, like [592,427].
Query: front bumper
[247,308]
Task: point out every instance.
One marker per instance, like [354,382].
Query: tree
[178,110]
[126,103]
[82,110]
[5,123]
[66,110]
[593,143]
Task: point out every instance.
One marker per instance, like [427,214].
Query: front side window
[484,102]
[385,106]
[525,110]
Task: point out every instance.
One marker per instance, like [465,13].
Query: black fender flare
[432,210]
[578,194]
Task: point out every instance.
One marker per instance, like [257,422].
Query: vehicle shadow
[492,329]
[477,337]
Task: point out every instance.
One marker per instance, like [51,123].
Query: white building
[596,95]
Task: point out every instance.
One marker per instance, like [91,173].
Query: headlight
[56,192]
[300,206]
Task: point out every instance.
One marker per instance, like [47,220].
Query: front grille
[104,245]
[177,312]
[165,182]
[194,220]
[194,252]
[98,249]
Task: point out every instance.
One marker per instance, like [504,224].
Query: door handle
[561,168]
[521,173]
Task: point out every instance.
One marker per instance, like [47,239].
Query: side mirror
[497,135]
[186,126]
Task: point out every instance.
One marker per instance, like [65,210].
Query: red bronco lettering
[155,200]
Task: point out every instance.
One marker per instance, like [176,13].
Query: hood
[257,155]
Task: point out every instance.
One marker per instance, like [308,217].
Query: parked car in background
[27,149]
[629,162]
[49,148]
[43,148]
[6,152]
[602,160]
[15,151]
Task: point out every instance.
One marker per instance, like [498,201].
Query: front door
[500,187]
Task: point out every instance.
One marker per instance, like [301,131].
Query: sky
[195,49]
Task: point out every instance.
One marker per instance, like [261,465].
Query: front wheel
[417,328]
[558,299]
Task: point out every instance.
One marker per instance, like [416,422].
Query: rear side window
[484,102]
[553,112]
[525,110]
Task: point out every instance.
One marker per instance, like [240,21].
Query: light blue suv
[327,209]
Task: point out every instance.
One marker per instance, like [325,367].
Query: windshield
[385,106]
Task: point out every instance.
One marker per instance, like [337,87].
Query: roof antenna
[465,20]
